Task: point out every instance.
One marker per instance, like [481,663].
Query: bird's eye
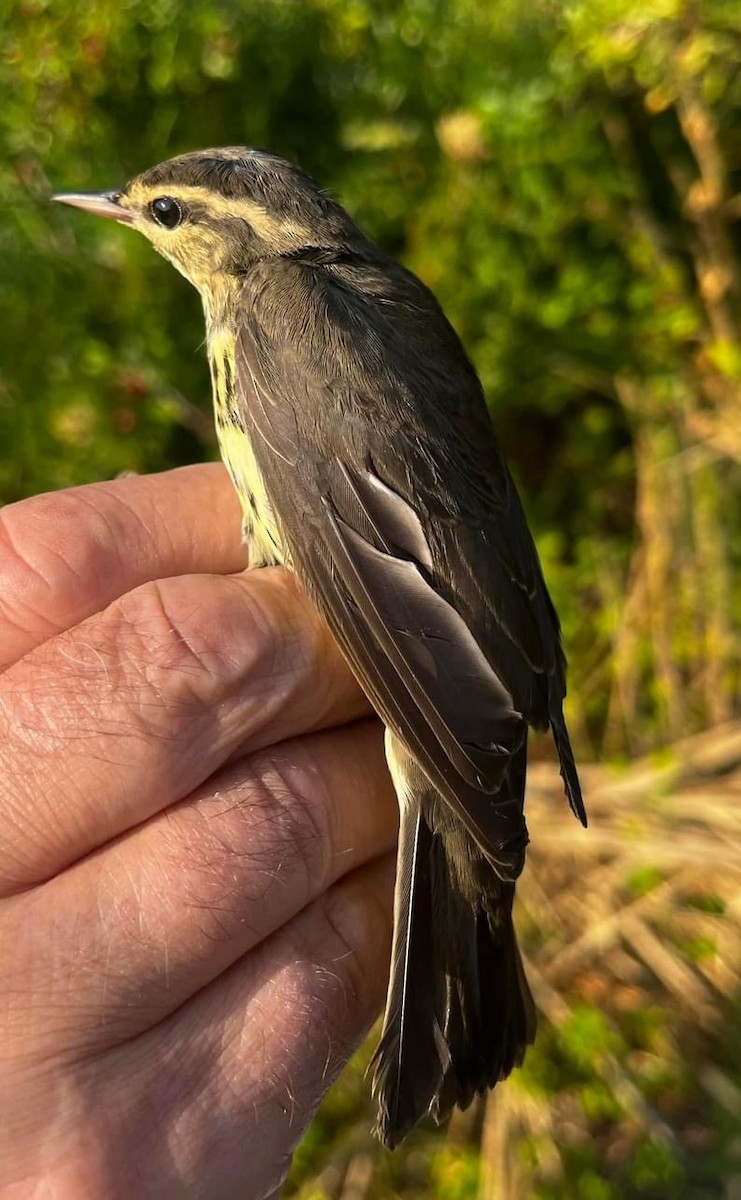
[166,212]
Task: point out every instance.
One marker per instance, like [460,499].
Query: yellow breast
[259,526]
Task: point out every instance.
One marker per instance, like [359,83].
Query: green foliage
[565,176]
[586,1035]
[529,161]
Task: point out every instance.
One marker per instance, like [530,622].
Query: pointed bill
[101,204]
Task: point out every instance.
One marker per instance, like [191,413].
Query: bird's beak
[101,204]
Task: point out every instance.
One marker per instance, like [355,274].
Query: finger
[65,555]
[242,1068]
[167,909]
[130,711]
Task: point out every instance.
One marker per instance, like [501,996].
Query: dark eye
[166,211]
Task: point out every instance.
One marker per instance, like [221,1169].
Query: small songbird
[356,433]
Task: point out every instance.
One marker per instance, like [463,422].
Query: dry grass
[642,909]
[639,915]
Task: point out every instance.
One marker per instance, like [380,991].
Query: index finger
[66,555]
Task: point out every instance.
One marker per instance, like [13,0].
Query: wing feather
[497,826]
[432,590]
[434,652]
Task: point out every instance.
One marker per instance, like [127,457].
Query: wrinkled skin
[195,835]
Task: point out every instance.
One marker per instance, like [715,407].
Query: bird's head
[215,213]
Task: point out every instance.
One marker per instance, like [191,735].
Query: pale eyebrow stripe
[223,206]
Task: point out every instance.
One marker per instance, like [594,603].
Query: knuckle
[347,946]
[261,841]
[283,625]
[50,546]
[187,638]
[289,820]
[233,858]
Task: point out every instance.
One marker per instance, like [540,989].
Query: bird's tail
[459,1013]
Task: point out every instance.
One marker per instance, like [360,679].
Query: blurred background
[567,177]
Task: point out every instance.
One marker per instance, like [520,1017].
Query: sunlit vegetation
[566,176]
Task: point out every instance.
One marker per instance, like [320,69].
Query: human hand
[196,829]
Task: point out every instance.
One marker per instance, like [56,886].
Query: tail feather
[412,1055]
[459,1014]
[569,773]
[492,1020]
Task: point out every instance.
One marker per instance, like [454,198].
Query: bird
[356,432]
